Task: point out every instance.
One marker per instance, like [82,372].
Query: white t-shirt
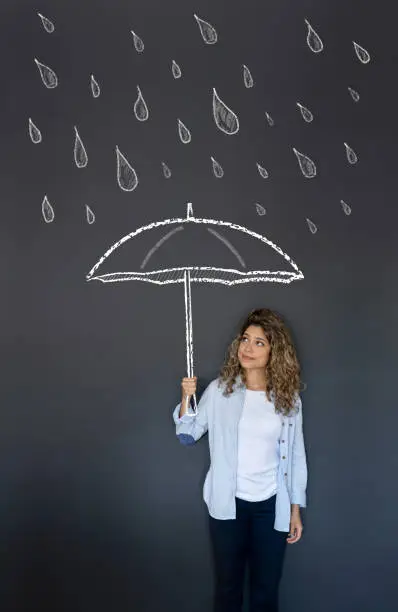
[259,431]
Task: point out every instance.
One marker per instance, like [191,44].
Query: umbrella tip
[189,211]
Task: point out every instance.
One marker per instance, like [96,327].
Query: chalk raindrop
[126,175]
[138,42]
[361,53]
[207,31]
[47,24]
[80,154]
[217,168]
[47,210]
[313,39]
[140,107]
[307,166]
[48,76]
[34,132]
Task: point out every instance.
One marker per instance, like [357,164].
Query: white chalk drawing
[312,227]
[271,122]
[126,175]
[183,132]
[34,132]
[247,77]
[305,113]
[138,42]
[346,208]
[189,335]
[140,107]
[80,154]
[207,31]
[47,210]
[307,166]
[262,171]
[225,118]
[217,168]
[90,216]
[313,39]
[47,74]
[159,244]
[352,157]
[47,24]
[176,70]
[354,94]
[95,88]
[166,171]
[196,274]
[260,209]
[361,53]
[228,245]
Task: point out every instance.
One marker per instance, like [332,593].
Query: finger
[291,540]
[295,535]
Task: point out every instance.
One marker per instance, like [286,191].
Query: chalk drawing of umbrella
[188,274]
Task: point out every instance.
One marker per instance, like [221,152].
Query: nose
[248,348]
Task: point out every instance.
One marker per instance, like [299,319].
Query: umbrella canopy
[188,274]
[199,273]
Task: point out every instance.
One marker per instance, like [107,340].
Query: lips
[246,357]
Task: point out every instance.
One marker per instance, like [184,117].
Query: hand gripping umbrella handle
[188,332]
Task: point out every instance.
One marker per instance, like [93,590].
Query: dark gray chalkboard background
[101,508]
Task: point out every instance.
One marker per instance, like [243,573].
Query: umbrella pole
[188,329]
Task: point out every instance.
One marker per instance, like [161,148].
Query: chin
[247,365]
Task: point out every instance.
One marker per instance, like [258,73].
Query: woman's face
[254,348]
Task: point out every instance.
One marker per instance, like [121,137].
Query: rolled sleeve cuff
[300,498]
[186,418]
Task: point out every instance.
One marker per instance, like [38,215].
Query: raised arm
[192,426]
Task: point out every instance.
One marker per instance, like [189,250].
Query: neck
[256,380]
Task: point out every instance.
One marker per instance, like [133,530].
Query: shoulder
[212,387]
[220,388]
[216,387]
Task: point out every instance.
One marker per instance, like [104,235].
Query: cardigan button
[283,457]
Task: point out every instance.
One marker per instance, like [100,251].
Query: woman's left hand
[296,528]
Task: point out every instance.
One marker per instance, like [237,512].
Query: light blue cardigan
[219,415]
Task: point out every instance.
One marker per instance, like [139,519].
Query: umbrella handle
[188,333]
[191,400]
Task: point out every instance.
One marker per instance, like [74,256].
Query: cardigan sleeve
[192,426]
[299,461]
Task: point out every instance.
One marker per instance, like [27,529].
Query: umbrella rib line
[158,244]
[229,246]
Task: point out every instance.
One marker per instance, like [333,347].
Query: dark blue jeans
[250,538]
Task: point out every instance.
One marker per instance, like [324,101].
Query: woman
[257,478]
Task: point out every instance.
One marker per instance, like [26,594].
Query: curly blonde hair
[282,369]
